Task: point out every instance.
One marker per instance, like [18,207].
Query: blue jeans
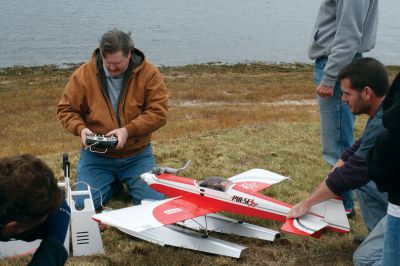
[101,172]
[391,250]
[373,204]
[369,253]
[337,126]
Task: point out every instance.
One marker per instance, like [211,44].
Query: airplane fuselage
[235,198]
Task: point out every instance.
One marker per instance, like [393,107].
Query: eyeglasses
[116,65]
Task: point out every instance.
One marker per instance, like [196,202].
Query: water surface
[174,32]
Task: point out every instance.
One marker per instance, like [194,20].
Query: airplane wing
[158,213]
[256,179]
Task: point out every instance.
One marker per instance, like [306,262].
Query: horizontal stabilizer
[256,179]
[334,214]
[307,225]
[329,214]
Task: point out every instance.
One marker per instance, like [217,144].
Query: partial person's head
[28,194]
[364,84]
[115,49]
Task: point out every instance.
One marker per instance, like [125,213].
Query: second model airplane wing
[158,213]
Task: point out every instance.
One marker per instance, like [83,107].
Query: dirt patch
[223,103]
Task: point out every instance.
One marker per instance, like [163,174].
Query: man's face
[355,99]
[116,63]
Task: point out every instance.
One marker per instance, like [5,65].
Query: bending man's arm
[51,251]
[321,194]
[352,174]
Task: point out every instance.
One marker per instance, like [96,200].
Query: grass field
[226,119]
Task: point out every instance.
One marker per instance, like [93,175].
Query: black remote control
[101,141]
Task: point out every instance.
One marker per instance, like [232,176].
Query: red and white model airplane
[190,198]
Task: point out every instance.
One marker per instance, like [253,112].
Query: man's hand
[338,164]
[324,91]
[321,194]
[85,132]
[122,136]
[299,209]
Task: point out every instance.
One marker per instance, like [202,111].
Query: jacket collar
[135,64]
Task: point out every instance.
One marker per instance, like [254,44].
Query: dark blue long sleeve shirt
[353,174]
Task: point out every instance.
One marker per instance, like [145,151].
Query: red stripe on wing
[183,208]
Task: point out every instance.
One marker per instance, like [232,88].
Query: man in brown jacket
[118,92]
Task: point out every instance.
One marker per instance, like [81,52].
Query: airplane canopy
[215,182]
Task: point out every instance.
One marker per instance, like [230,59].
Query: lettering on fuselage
[246,201]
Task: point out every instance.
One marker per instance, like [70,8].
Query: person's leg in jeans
[373,204]
[371,249]
[130,170]
[391,247]
[337,126]
[98,172]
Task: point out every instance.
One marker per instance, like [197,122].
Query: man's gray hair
[114,41]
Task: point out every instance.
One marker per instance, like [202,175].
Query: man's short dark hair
[28,189]
[114,41]
[365,72]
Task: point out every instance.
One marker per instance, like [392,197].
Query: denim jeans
[391,250]
[101,172]
[337,126]
[369,253]
[373,204]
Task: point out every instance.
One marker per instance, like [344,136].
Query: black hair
[28,189]
[366,72]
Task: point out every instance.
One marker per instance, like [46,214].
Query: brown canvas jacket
[142,104]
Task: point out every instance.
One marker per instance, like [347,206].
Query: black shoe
[359,239]
[350,213]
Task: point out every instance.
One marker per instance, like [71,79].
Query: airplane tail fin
[329,214]
[334,214]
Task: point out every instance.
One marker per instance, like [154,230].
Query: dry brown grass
[227,119]
[29,97]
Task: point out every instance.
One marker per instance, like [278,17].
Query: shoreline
[212,63]
[72,66]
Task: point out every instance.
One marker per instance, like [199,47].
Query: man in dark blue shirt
[364,84]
